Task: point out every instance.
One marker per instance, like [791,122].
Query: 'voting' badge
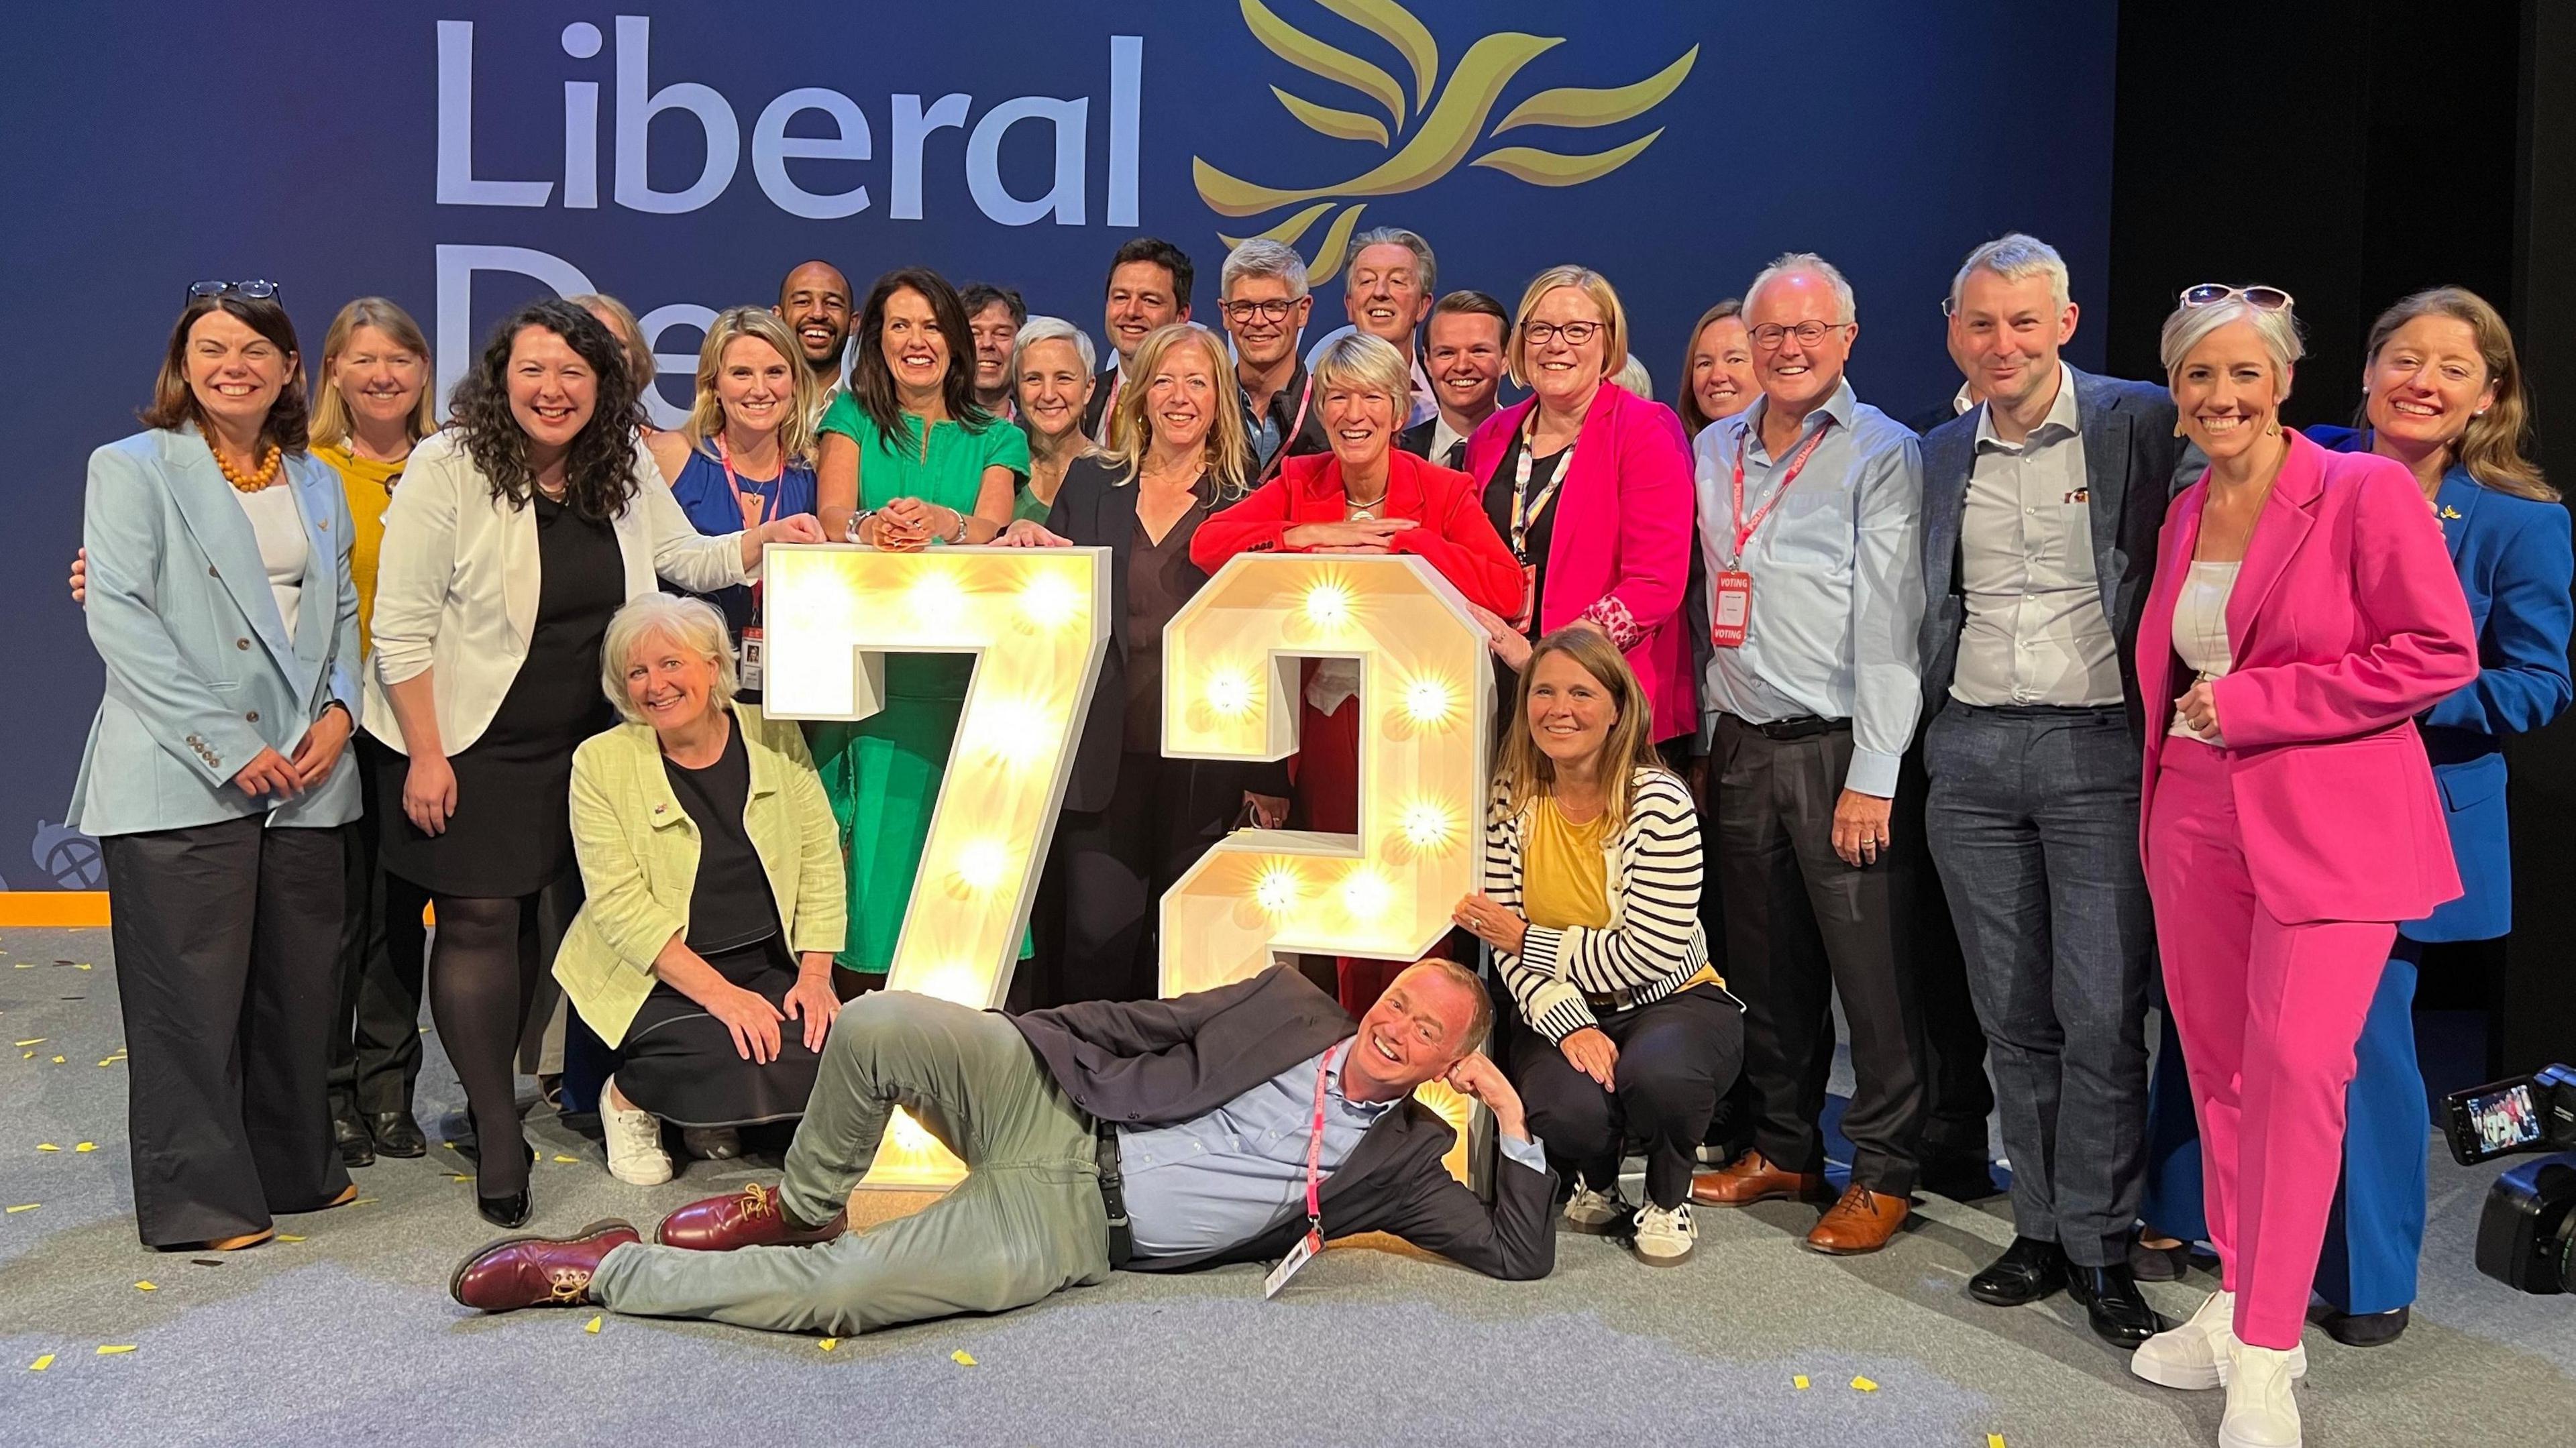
[1731,608]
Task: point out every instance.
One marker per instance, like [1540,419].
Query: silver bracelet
[857,531]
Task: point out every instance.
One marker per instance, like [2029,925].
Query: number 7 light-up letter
[1037,622]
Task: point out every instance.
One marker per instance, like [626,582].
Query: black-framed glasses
[2261,299]
[1539,334]
[1770,335]
[1274,310]
[257,291]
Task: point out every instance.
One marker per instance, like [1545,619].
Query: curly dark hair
[872,381]
[599,468]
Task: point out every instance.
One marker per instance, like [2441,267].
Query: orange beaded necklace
[266,475]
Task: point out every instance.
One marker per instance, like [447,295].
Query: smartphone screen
[2503,1120]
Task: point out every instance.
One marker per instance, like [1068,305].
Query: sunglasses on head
[257,291]
[2262,299]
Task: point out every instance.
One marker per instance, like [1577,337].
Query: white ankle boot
[2200,1353]
[2261,1411]
[634,1137]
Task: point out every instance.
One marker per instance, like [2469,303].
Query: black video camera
[2527,1232]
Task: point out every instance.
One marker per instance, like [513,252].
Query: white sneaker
[635,1154]
[711,1143]
[1665,1236]
[2200,1353]
[1593,1213]
[2261,1411]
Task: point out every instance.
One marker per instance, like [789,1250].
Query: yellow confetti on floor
[592,1327]
[35,1040]
[111,1349]
[561,1157]
[1864,1385]
[1799,1382]
[962,1358]
[362,1201]
[110,1061]
[86,1146]
[40,1364]
[47,1146]
[829,1343]
[145,1287]
[288,1237]
[28,1207]
[58,1060]
[85,965]
[1994,1440]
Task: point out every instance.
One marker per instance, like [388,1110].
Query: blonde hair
[706,413]
[1523,772]
[2492,447]
[1131,428]
[630,334]
[332,422]
[1359,359]
[1614,319]
[692,623]
[2276,327]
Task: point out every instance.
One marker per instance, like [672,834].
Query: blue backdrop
[463,156]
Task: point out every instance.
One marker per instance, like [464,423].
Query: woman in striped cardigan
[1591,903]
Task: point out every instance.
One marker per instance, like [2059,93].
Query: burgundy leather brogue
[752,1217]
[518,1272]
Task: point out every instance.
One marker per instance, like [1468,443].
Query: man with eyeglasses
[1810,513]
[1266,305]
[2041,510]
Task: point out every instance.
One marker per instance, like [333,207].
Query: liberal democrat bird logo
[1443,130]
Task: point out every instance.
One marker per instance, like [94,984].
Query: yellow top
[1565,877]
[369,487]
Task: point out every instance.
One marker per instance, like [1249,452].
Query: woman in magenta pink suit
[2304,611]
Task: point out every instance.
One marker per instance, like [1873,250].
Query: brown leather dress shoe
[1861,1222]
[1752,1178]
[518,1272]
[751,1217]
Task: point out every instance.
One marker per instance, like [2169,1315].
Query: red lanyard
[1797,460]
[1315,1145]
[769,501]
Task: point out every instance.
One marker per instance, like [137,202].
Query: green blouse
[951,474]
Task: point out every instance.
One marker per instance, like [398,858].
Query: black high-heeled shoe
[510,1212]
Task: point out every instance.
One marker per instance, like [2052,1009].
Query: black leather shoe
[513,1210]
[2367,1329]
[2028,1270]
[351,1137]
[397,1134]
[2120,1315]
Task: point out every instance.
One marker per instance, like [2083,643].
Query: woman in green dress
[1051,368]
[910,461]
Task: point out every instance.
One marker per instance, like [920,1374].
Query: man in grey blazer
[2041,508]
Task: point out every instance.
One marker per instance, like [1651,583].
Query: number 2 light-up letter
[1037,622]
[1426,701]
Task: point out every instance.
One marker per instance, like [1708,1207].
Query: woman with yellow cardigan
[712,869]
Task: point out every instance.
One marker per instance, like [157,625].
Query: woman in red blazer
[2304,611]
[1362,497]
[1591,485]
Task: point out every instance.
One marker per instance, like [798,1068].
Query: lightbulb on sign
[937,599]
[1015,731]
[1276,891]
[984,864]
[1425,825]
[1427,701]
[1328,605]
[1230,692]
[1050,599]
[1366,893]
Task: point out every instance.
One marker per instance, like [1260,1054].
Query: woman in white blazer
[217,774]
[515,536]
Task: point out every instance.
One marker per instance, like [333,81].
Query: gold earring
[2178,429]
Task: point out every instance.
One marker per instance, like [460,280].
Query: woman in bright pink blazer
[1590,485]
[2304,611]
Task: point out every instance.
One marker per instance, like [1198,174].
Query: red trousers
[1326,775]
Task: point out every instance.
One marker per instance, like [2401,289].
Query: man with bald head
[1810,517]
[814,302]
[1155,1136]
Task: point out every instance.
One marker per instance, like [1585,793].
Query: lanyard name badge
[1312,1244]
[1525,511]
[757,505]
[1731,590]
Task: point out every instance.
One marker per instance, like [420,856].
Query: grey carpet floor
[348,1337]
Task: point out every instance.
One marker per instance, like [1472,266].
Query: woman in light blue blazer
[217,773]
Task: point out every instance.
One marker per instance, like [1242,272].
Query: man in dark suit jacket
[2040,513]
[1152,1135]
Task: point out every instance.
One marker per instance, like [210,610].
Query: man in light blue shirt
[1811,689]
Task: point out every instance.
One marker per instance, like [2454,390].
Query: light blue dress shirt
[1837,579]
[1227,1177]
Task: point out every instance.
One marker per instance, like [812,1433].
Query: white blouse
[278,524]
[2200,630]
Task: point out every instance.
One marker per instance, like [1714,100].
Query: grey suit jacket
[2131,461]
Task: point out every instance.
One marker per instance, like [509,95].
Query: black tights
[482,976]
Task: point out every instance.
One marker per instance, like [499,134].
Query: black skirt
[679,1062]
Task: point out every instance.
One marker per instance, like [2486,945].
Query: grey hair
[1367,361]
[692,623]
[2015,257]
[1788,262]
[1262,257]
[1410,241]
[2188,327]
[1051,329]
[1635,379]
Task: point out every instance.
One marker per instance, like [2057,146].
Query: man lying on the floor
[1206,1104]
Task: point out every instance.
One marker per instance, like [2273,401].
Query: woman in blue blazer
[2443,394]
[217,775]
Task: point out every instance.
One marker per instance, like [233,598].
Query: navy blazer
[2516,565]
[2131,459]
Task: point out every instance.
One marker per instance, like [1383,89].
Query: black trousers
[1115,863]
[1677,1056]
[1801,927]
[226,942]
[375,1034]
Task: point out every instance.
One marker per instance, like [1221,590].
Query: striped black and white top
[1654,942]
